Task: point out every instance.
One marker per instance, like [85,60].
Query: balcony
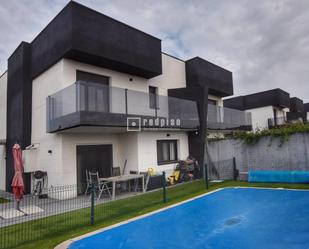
[222,118]
[86,104]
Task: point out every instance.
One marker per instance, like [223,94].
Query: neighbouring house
[306,112]
[296,113]
[90,92]
[268,109]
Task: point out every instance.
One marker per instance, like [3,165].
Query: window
[153,97]
[167,151]
[93,96]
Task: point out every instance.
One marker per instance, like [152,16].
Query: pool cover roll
[279,176]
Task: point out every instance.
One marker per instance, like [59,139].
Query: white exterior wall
[2,167]
[61,163]
[44,85]
[129,151]
[261,115]
[216,98]
[147,150]
[173,75]
[3,98]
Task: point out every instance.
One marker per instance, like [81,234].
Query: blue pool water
[231,218]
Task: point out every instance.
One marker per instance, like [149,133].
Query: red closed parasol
[18,181]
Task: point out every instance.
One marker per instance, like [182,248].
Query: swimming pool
[242,218]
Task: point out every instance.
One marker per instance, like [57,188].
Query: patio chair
[100,186]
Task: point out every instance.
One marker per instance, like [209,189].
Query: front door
[93,158]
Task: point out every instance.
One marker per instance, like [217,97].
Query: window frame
[155,96]
[160,150]
[97,79]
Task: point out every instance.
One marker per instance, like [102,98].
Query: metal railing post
[164,187]
[206,175]
[234,169]
[126,100]
[92,204]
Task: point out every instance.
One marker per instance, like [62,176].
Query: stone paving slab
[10,213]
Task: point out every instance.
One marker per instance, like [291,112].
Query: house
[90,92]
[269,109]
[306,112]
[296,112]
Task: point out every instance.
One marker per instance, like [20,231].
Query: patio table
[123,178]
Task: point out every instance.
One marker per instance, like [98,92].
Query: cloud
[264,43]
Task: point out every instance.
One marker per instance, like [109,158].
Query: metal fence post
[234,169]
[164,187]
[92,204]
[206,175]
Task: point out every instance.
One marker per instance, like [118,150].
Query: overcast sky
[264,43]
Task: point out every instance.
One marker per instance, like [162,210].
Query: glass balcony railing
[222,118]
[93,104]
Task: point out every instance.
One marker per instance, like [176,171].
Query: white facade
[261,115]
[3,99]
[2,167]
[56,153]
[147,149]
[219,100]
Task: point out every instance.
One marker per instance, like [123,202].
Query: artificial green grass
[46,233]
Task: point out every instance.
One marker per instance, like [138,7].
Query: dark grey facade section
[200,72]
[88,36]
[274,97]
[297,105]
[19,103]
[306,107]
[237,103]
[197,146]
[296,110]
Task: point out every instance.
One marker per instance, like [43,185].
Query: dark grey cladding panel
[19,102]
[118,45]
[294,116]
[275,97]
[306,107]
[196,140]
[235,103]
[54,41]
[85,35]
[200,72]
[297,105]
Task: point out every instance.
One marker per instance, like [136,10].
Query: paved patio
[33,207]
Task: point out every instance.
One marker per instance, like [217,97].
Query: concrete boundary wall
[267,154]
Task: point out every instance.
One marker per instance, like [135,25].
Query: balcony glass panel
[88,103]
[222,118]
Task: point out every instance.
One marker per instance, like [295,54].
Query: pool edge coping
[67,243]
